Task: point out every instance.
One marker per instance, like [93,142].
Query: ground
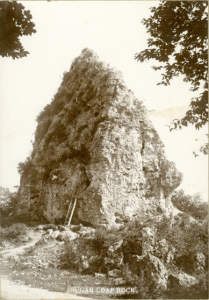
[11,290]
[40,271]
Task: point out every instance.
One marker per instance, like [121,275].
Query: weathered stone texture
[94,142]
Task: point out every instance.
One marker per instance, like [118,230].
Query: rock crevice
[94,142]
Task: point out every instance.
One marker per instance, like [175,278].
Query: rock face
[95,143]
[154,268]
[151,268]
[179,278]
[199,263]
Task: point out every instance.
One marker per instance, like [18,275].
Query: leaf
[15,22]
[181,25]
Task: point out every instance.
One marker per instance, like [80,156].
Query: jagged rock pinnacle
[94,142]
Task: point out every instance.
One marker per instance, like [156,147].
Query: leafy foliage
[188,237]
[24,167]
[197,291]
[15,22]
[71,256]
[56,121]
[184,238]
[7,204]
[145,289]
[170,177]
[104,238]
[5,197]
[13,231]
[179,41]
[192,205]
[204,149]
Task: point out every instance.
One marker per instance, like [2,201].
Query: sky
[113,29]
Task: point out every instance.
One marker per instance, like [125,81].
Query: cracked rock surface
[94,142]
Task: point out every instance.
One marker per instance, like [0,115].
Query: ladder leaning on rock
[67,222]
[66,218]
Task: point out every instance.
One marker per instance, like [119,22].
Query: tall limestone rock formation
[94,142]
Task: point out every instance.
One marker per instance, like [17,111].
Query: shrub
[145,288]
[132,237]
[42,129]
[5,197]
[196,291]
[29,250]
[24,167]
[130,234]
[104,238]
[13,231]
[192,205]
[45,112]
[171,178]
[69,258]
[187,238]
[8,203]
[74,252]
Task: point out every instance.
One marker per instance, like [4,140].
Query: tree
[7,200]
[179,41]
[5,196]
[24,167]
[15,22]
[190,204]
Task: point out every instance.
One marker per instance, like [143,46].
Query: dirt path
[11,290]
[35,236]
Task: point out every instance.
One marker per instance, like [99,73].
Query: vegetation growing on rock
[192,205]
[94,142]
[159,259]
[160,256]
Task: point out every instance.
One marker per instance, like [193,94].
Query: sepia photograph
[104,150]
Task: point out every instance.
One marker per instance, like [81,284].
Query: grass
[13,232]
[52,279]
[24,269]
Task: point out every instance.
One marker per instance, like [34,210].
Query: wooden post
[68,211]
[74,204]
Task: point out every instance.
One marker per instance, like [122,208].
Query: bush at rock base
[7,204]
[142,253]
[191,204]
[13,232]
[188,238]
[103,238]
[196,291]
[146,289]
